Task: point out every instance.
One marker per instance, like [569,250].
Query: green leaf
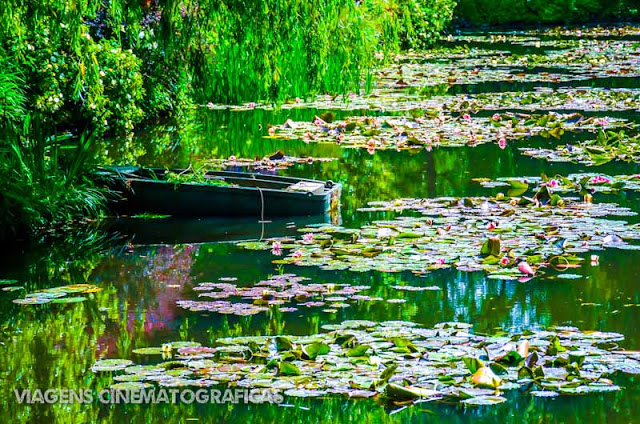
[554,346]
[313,350]
[473,364]
[283,343]
[491,247]
[287,368]
[357,351]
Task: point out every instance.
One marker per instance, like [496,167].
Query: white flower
[141,35]
[384,232]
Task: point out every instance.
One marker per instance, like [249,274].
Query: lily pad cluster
[287,292]
[607,146]
[578,98]
[62,294]
[397,362]
[426,130]
[272,162]
[492,234]
[583,183]
[592,31]
[564,60]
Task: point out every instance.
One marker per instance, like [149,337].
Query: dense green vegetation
[492,12]
[106,68]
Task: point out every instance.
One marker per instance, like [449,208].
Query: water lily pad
[73,299]
[130,386]
[104,365]
[484,400]
[149,351]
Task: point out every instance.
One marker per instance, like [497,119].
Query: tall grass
[44,179]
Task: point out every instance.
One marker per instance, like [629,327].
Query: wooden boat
[222,193]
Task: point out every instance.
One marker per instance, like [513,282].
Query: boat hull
[193,199]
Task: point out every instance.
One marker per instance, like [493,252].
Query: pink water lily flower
[502,143]
[600,180]
[492,226]
[504,261]
[307,238]
[232,158]
[297,254]
[440,261]
[318,122]
[525,268]
[552,184]
[276,248]
[496,117]
[466,117]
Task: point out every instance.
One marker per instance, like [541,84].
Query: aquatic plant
[608,146]
[492,234]
[396,361]
[433,128]
[583,183]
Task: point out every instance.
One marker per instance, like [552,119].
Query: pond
[140,277]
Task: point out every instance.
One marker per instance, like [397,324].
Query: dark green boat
[221,193]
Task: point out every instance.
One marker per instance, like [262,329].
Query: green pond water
[153,263]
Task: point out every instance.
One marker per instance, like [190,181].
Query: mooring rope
[262,221]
